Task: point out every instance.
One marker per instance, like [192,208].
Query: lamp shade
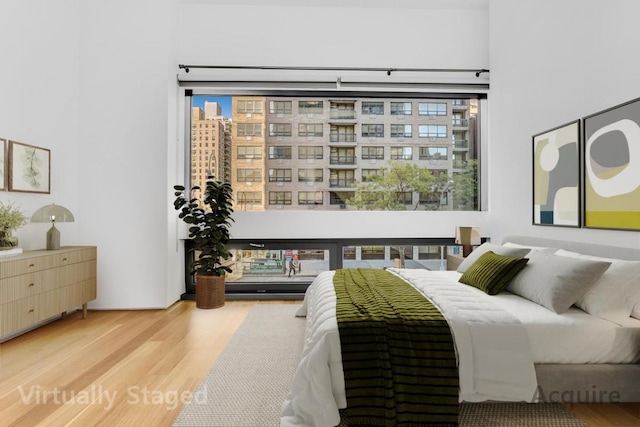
[52,213]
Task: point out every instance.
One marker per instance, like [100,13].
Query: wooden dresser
[39,285]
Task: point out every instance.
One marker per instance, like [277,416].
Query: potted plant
[11,218]
[209,222]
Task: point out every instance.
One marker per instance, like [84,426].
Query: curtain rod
[478,71]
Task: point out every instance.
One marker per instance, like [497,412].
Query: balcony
[460,123]
[348,160]
[342,137]
[460,104]
[339,115]
[341,182]
[461,144]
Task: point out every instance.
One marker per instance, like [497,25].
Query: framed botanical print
[29,168]
[612,168]
[556,176]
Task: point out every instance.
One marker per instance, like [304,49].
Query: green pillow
[492,272]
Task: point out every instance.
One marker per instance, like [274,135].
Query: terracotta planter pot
[209,291]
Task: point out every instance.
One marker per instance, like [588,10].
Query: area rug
[250,380]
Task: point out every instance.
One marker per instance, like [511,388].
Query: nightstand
[454,260]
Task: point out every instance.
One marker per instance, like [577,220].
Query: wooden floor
[138,368]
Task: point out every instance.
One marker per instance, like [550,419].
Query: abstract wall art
[29,168]
[556,176]
[612,168]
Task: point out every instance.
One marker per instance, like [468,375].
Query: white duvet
[493,349]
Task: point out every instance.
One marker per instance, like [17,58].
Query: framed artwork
[612,168]
[3,164]
[29,168]
[556,176]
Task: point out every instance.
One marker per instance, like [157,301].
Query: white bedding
[494,356]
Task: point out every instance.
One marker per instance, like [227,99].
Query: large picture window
[333,151]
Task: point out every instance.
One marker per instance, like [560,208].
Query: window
[434,153]
[309,175]
[400,131]
[249,152]
[404,197]
[250,175]
[432,109]
[374,108]
[400,108]
[249,129]
[310,129]
[432,131]
[308,153]
[279,175]
[369,153]
[279,197]
[367,173]
[401,153]
[280,107]
[372,131]
[249,107]
[342,178]
[249,197]
[292,140]
[280,129]
[279,152]
[342,156]
[310,197]
[310,107]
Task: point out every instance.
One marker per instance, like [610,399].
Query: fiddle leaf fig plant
[209,223]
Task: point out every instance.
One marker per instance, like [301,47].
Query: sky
[223,101]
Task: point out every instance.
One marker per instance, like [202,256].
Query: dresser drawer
[26,285]
[25,265]
[18,315]
[75,256]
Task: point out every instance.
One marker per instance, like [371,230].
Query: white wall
[553,62]
[96,83]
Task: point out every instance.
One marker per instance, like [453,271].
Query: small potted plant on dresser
[209,222]
[11,218]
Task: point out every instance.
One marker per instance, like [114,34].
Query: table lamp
[52,213]
[467,237]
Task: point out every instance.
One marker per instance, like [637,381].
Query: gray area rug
[250,380]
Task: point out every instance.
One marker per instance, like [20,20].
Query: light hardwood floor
[136,368]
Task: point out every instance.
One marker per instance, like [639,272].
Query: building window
[370,153]
[279,197]
[309,197]
[249,129]
[314,152]
[279,175]
[342,156]
[400,131]
[279,129]
[249,107]
[374,108]
[368,173]
[249,152]
[342,178]
[401,153]
[310,107]
[280,107]
[434,153]
[432,108]
[373,131]
[404,197]
[432,131]
[249,175]
[250,197]
[309,175]
[400,108]
[276,153]
[310,129]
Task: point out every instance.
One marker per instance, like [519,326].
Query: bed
[517,345]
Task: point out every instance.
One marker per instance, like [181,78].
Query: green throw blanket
[397,353]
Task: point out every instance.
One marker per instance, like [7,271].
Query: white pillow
[533,248]
[614,296]
[554,281]
[636,311]
[497,249]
